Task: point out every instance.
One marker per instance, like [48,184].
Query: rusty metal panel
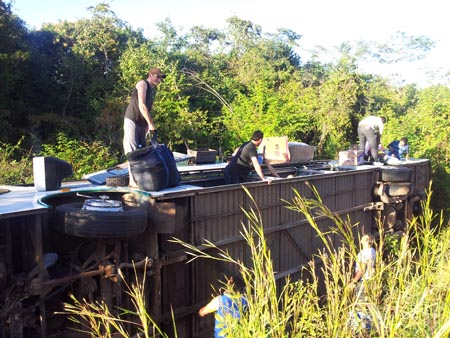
[208,274]
[346,200]
[325,185]
[216,215]
[363,196]
[366,179]
[217,228]
[351,190]
[215,203]
[346,183]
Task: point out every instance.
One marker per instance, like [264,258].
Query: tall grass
[15,164]
[407,297]
[98,320]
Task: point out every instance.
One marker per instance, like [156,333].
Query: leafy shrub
[15,164]
[83,156]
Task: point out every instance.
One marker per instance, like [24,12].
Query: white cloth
[374,122]
[366,257]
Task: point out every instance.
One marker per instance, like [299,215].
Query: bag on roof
[154,167]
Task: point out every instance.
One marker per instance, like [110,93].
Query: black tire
[398,188]
[75,221]
[118,181]
[395,174]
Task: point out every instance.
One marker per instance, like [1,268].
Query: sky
[324,23]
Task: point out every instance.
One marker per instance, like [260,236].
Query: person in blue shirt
[399,148]
[230,304]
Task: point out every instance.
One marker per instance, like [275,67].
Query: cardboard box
[300,152]
[203,155]
[275,149]
[351,157]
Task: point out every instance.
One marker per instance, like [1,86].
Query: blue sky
[325,23]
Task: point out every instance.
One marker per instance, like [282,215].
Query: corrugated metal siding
[287,192]
[176,278]
[267,199]
[216,215]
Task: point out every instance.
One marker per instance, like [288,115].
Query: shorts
[133,136]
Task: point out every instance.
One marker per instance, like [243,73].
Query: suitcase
[154,167]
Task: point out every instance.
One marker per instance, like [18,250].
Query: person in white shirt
[365,265]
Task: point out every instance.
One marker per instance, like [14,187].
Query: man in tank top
[138,118]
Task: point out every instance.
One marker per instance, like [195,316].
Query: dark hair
[404,139]
[257,135]
[383,118]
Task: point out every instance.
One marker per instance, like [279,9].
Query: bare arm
[272,169]
[359,272]
[141,87]
[357,277]
[211,307]
[258,169]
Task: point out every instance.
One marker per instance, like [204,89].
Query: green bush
[16,166]
[83,156]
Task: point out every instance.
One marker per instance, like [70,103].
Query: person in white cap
[369,130]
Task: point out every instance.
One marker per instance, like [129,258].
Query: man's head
[257,137]
[155,76]
[383,119]
[403,141]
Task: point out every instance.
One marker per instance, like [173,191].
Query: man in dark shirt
[245,160]
[138,119]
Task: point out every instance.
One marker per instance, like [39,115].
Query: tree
[14,58]
[428,129]
[76,76]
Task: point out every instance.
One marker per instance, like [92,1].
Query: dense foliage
[74,79]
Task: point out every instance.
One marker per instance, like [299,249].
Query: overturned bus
[75,237]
